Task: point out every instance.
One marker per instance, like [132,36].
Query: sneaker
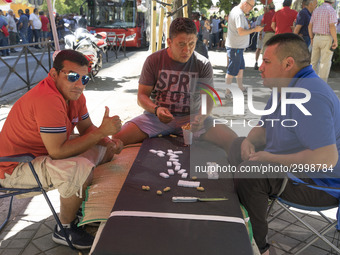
[256,67]
[79,238]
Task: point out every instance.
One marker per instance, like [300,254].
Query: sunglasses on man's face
[73,77]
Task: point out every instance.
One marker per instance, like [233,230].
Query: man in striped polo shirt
[322,31]
[40,123]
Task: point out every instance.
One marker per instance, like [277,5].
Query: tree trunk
[297,5]
[175,5]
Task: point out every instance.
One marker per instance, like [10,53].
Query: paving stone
[18,243]
[11,252]
[62,250]
[42,231]
[44,243]
[25,234]
[50,223]
[283,242]
[4,243]
[31,249]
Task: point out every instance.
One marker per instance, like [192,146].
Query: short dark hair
[27,11]
[287,3]
[20,11]
[35,9]
[70,55]
[291,45]
[182,25]
[41,13]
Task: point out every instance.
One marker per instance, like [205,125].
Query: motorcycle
[93,46]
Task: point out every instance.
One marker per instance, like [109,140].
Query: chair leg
[51,207]
[8,214]
[310,228]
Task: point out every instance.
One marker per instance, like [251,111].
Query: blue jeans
[23,36]
[306,38]
[4,42]
[36,34]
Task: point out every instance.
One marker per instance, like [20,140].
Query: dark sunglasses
[73,77]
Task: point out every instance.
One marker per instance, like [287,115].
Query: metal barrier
[24,74]
[29,66]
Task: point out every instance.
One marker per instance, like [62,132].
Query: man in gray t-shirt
[237,41]
[170,88]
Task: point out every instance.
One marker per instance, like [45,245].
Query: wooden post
[160,29]
[168,9]
[185,9]
[153,26]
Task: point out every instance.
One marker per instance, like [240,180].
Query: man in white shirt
[36,26]
[237,41]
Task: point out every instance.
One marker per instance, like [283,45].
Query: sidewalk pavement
[30,229]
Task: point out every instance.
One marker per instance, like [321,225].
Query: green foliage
[227,5]
[201,4]
[66,6]
[336,56]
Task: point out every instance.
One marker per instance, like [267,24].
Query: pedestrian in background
[36,26]
[29,30]
[259,43]
[82,21]
[267,25]
[283,20]
[322,31]
[3,36]
[237,41]
[303,18]
[23,26]
[12,29]
[44,28]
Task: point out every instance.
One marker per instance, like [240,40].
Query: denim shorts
[236,61]
[44,34]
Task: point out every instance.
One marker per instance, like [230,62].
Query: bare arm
[297,29]
[143,99]
[325,155]
[273,25]
[255,138]
[59,147]
[241,31]
[332,29]
[310,32]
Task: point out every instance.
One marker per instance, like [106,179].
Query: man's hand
[260,156]
[197,123]
[110,125]
[115,145]
[164,115]
[334,45]
[258,29]
[247,149]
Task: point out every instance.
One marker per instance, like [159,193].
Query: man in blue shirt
[301,128]
[3,38]
[303,18]
[23,26]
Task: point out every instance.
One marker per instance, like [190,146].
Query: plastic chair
[286,205]
[11,192]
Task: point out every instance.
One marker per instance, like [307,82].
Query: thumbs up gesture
[110,125]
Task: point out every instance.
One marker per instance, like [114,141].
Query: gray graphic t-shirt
[176,85]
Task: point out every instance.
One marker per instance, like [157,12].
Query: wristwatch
[156,109]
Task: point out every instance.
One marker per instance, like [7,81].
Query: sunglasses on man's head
[73,77]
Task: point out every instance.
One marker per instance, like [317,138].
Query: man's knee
[130,133]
